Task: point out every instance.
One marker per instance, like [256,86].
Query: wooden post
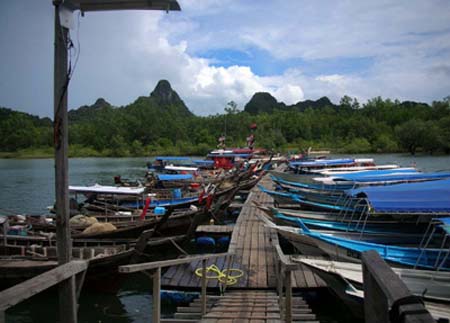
[386,297]
[67,290]
[288,306]
[279,284]
[156,295]
[203,296]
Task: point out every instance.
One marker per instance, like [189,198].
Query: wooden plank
[35,285]
[262,260]
[194,280]
[214,229]
[166,263]
[156,297]
[180,270]
[383,288]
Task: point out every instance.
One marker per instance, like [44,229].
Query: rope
[221,276]
[176,245]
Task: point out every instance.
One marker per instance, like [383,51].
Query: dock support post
[156,317]
[67,289]
[288,306]
[279,285]
[203,296]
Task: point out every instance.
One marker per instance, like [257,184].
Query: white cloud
[145,56]
[123,55]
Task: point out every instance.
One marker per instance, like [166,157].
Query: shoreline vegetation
[161,124]
[87,152]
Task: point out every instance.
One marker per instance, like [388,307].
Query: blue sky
[215,51]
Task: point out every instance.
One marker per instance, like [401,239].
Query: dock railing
[386,297]
[283,270]
[155,268]
[20,292]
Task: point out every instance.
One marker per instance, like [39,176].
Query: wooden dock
[242,306]
[253,252]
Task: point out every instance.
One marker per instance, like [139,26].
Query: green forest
[162,124]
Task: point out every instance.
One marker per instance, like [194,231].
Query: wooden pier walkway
[242,306]
[253,253]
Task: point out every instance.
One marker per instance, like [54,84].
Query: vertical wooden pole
[280,279]
[67,290]
[156,296]
[203,296]
[288,286]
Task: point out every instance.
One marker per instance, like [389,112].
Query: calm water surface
[27,186]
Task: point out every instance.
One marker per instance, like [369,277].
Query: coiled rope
[226,276]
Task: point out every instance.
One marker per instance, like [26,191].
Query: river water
[27,187]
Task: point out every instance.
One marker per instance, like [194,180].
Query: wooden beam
[386,295]
[167,263]
[35,285]
[156,315]
[288,300]
[204,282]
[67,289]
[285,261]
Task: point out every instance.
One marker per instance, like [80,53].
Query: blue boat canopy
[174,177]
[394,177]
[422,197]
[203,162]
[172,158]
[320,162]
[374,173]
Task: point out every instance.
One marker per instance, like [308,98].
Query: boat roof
[107,189]
[172,158]
[322,162]
[393,176]
[203,162]
[418,197]
[230,155]
[174,177]
[374,173]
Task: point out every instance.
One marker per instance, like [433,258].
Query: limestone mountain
[265,102]
[317,104]
[262,102]
[163,95]
[85,112]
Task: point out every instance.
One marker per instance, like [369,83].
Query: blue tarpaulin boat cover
[203,162]
[422,197]
[374,173]
[397,177]
[324,162]
[174,177]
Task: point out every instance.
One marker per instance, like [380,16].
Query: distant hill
[161,123]
[22,130]
[163,95]
[265,102]
[162,99]
[85,112]
[6,114]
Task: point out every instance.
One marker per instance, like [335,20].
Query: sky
[216,51]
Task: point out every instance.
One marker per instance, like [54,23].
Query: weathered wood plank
[35,285]
[167,263]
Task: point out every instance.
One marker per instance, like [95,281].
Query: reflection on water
[27,186]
